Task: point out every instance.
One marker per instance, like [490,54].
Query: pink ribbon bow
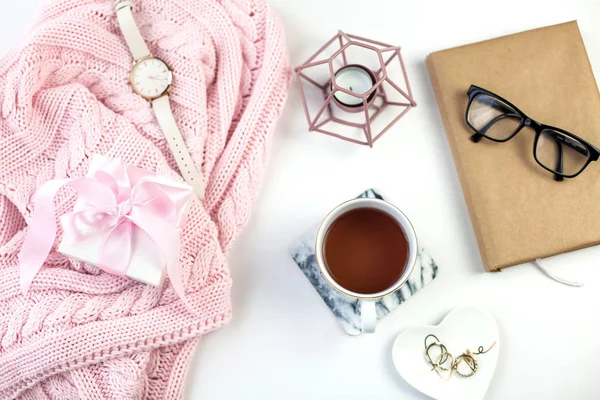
[118,201]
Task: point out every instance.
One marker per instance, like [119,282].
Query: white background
[283,342]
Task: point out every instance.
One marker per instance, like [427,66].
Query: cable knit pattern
[80,333]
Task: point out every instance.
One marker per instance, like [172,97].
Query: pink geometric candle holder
[354,89]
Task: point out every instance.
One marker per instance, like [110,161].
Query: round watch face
[151,78]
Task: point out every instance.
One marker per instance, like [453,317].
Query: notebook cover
[518,211]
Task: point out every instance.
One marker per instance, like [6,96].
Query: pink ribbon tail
[42,227]
[41,235]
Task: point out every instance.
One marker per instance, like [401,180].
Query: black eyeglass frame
[593,152]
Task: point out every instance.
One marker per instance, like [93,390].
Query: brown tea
[366,251]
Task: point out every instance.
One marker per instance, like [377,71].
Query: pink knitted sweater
[80,333]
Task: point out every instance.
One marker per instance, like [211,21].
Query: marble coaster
[347,309]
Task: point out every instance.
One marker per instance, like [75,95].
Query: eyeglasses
[554,149]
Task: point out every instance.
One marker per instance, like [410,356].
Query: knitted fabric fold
[80,333]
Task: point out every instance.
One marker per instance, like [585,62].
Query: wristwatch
[151,78]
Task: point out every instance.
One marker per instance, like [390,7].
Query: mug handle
[368,314]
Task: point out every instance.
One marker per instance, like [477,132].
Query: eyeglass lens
[561,153]
[493,118]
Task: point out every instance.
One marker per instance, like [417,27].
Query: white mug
[368,301]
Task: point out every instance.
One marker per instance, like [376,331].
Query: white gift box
[145,265]
[147,262]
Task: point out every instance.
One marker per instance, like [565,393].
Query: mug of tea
[366,248]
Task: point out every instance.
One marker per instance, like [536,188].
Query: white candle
[354,78]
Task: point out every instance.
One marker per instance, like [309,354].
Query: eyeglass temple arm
[477,136]
[569,143]
[559,156]
[559,160]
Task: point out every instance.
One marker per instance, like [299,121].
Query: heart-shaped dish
[462,329]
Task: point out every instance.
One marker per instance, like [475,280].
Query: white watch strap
[166,120]
[133,36]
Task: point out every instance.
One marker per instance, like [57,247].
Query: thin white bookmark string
[538,263]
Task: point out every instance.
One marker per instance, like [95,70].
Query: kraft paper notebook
[518,211]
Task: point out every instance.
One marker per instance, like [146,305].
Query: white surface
[464,328]
[283,343]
